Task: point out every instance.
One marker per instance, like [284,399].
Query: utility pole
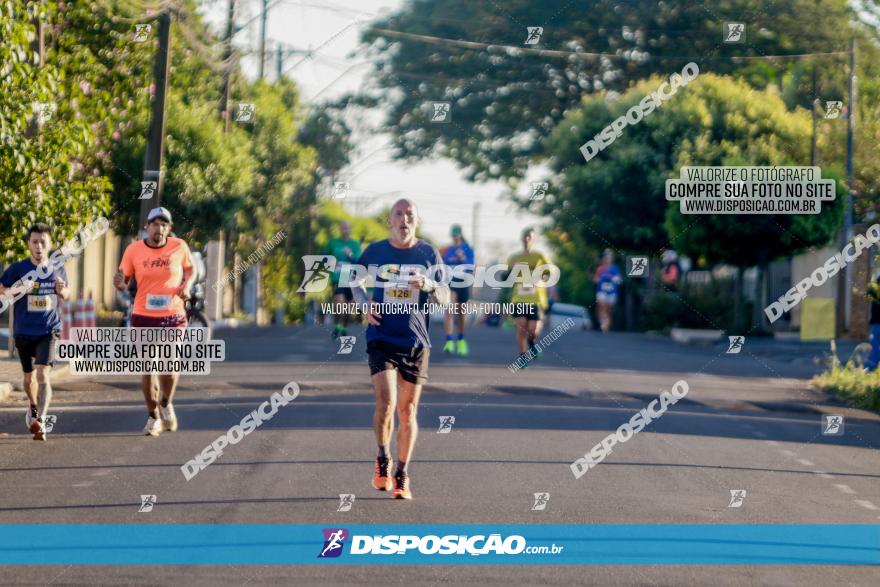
[227,57]
[844,288]
[814,154]
[282,53]
[279,62]
[263,37]
[155,142]
[226,115]
[850,137]
[850,173]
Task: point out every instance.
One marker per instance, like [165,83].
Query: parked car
[563,312]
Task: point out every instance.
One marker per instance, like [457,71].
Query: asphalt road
[749,422]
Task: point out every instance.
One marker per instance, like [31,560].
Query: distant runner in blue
[607,279]
[37,322]
[398,346]
[458,253]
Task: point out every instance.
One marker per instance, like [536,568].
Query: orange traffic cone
[90,319]
[66,319]
[79,311]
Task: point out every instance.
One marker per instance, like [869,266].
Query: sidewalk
[10,374]
[10,371]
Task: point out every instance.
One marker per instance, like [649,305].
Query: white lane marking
[845,488]
[806,463]
[866,504]
[788,453]
[773,442]
[824,475]
[102,473]
[86,484]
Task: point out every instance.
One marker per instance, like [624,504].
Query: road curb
[59,372]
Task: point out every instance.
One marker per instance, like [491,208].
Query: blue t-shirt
[461,254]
[36,312]
[408,327]
[609,280]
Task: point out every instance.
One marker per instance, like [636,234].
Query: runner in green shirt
[346,250]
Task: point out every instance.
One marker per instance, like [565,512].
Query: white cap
[159,213]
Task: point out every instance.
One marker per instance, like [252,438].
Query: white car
[563,312]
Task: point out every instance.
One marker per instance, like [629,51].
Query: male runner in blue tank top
[397,337]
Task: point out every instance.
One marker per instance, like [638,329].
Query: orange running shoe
[381,479]
[401,487]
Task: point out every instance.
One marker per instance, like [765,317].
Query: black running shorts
[462,294]
[411,363]
[528,311]
[36,350]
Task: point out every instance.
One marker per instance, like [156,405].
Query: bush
[852,383]
[106,318]
[693,306]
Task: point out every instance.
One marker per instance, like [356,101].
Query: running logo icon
[346,345]
[141,32]
[541,500]
[340,190]
[833,109]
[539,191]
[638,267]
[440,112]
[147,503]
[245,113]
[317,273]
[43,111]
[533,34]
[446,423]
[148,188]
[832,425]
[334,540]
[735,344]
[49,423]
[737,497]
[346,500]
[734,32]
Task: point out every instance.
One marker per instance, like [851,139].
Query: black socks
[383,453]
[164,403]
[34,411]
[401,469]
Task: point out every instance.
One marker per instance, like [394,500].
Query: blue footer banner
[289,544]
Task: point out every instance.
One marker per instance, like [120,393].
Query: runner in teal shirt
[346,250]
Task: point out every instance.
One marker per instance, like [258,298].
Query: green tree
[617,198]
[505,99]
[45,171]
[281,191]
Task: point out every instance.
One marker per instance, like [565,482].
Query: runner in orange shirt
[163,268]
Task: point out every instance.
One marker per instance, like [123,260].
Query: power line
[514,50]
[323,44]
[339,77]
